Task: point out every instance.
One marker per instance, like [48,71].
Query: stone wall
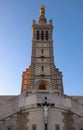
[10,106]
[9,123]
[23,113]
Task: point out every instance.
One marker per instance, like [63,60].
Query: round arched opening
[42,86]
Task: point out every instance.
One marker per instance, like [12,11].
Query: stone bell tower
[42,74]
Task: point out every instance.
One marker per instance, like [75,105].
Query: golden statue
[42,10]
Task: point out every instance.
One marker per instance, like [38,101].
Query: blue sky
[16,41]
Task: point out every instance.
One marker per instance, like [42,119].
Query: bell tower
[42,74]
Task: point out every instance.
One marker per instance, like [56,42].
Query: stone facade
[43,73]
[24,112]
[26,80]
[42,104]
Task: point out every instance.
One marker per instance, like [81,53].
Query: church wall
[39,71]
[55,117]
[64,114]
[10,107]
[39,52]
[78,99]
[77,107]
[9,123]
[78,122]
[35,117]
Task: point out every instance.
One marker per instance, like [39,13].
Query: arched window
[46,35]
[38,35]
[42,51]
[42,86]
[42,35]
[42,68]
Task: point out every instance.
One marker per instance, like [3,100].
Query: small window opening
[9,128]
[34,127]
[37,35]
[42,51]
[42,35]
[42,68]
[46,35]
[57,127]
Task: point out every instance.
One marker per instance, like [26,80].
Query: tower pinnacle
[42,10]
[42,18]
